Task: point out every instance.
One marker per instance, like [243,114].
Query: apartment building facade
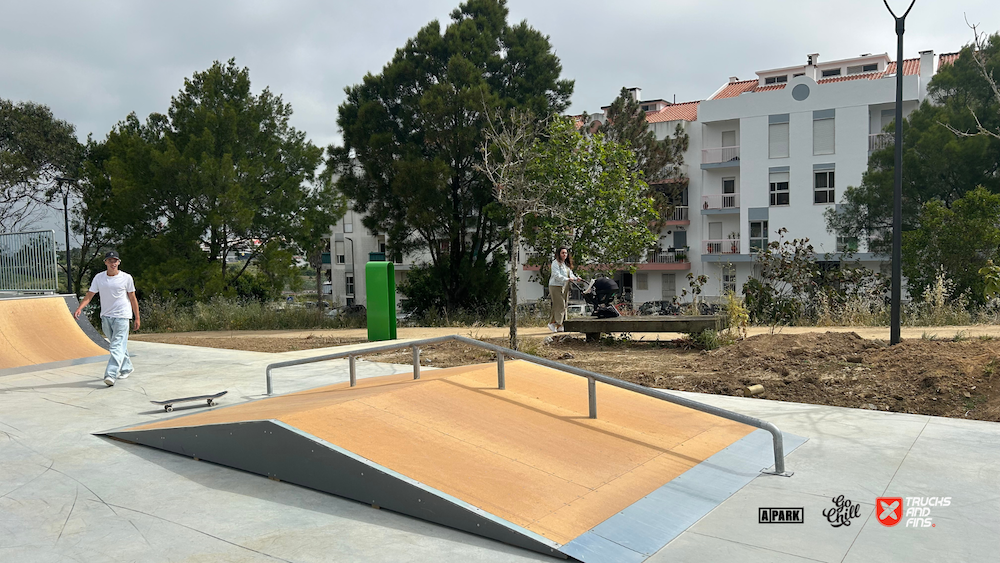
[773,152]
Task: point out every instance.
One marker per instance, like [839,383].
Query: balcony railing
[720,154]
[720,201]
[728,246]
[879,141]
[654,256]
[680,214]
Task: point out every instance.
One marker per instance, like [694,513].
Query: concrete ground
[66,495]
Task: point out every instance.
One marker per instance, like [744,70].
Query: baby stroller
[600,293]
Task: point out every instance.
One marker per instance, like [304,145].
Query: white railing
[879,141]
[680,214]
[720,154]
[720,201]
[659,257]
[728,246]
[28,262]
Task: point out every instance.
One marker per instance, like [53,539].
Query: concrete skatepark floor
[68,495]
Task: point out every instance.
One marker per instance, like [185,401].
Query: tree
[512,161]
[221,175]
[412,138]
[661,162]
[605,214]
[35,149]
[960,240]
[324,207]
[938,164]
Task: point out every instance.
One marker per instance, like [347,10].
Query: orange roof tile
[910,67]
[769,87]
[687,111]
[734,89]
[947,59]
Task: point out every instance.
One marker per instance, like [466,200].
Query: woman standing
[562,274]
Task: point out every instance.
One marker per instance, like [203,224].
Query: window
[641,280]
[339,247]
[798,74]
[854,69]
[776,79]
[870,67]
[348,227]
[779,188]
[758,236]
[777,136]
[847,244]
[831,72]
[823,133]
[729,138]
[349,284]
[728,279]
[823,191]
[669,286]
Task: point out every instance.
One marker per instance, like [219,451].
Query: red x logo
[889,510]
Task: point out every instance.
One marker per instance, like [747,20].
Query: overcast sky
[94,62]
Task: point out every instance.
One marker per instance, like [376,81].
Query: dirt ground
[945,371]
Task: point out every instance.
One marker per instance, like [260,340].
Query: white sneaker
[109,381]
[124,375]
[560,328]
[553,327]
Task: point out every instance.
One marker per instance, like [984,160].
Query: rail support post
[501,378]
[354,372]
[416,362]
[592,396]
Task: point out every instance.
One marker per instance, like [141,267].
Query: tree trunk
[515,244]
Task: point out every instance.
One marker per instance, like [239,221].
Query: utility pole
[897,194]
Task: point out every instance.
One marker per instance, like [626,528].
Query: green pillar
[380,290]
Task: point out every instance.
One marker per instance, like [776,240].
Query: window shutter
[823,141]
[777,140]
[779,177]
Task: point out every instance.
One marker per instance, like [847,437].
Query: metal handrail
[592,378]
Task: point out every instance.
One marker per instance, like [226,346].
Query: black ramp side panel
[84,323]
[274,450]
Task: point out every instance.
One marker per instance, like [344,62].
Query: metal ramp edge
[649,524]
[276,450]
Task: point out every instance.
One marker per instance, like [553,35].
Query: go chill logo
[915,511]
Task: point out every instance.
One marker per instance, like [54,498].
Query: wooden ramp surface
[528,454]
[40,330]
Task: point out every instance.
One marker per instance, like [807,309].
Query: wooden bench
[661,323]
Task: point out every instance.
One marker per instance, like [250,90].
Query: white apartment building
[771,152]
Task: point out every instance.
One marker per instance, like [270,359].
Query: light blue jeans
[117,332]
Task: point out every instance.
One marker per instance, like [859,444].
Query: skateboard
[169,404]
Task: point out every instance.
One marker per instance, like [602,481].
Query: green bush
[167,315]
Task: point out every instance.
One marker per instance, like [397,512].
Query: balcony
[720,202]
[661,260]
[721,157]
[879,141]
[719,246]
[679,216]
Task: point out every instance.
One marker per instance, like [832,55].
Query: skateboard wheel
[168,408]
[211,403]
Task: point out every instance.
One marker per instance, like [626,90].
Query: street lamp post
[69,264]
[897,194]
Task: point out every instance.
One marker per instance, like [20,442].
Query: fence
[28,262]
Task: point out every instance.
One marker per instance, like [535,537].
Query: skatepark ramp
[39,332]
[512,451]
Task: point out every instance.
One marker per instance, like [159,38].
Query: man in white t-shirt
[118,306]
